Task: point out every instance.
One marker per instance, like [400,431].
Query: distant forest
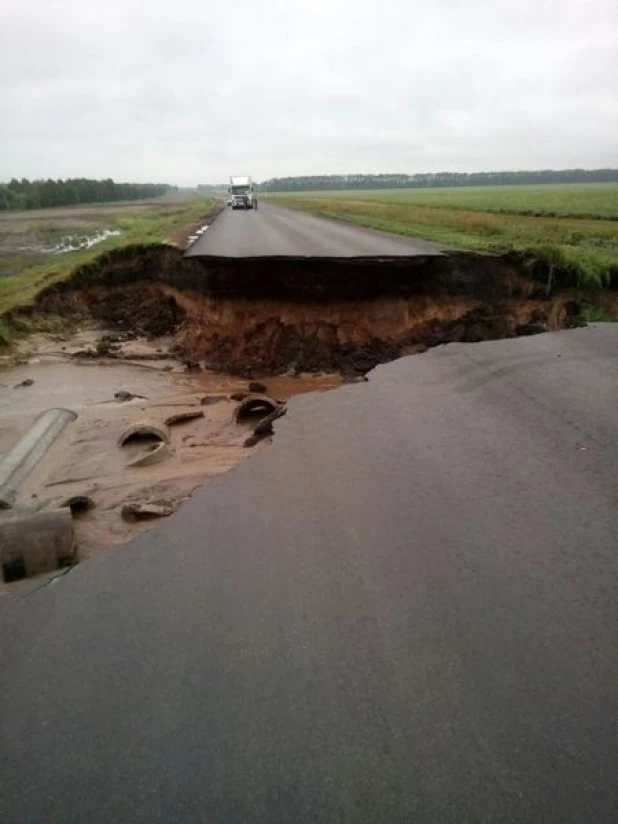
[437,179]
[40,194]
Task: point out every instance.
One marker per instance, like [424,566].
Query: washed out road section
[273,231]
[403,610]
[86,461]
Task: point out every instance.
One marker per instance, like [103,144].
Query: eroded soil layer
[285,314]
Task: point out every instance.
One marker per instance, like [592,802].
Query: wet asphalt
[271,231]
[403,610]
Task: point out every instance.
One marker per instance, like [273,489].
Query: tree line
[429,180]
[40,194]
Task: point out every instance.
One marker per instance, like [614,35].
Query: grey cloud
[195,90]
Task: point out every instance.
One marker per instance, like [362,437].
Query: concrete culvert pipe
[18,462]
[144,430]
[255,406]
[36,543]
[78,504]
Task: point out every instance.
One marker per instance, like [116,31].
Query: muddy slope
[284,314]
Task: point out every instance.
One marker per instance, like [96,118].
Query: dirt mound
[285,315]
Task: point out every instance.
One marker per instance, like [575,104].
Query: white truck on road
[242,193]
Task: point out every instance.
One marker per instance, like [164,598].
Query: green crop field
[587,200]
[574,227]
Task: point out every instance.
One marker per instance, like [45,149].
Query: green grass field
[21,233]
[573,227]
[594,201]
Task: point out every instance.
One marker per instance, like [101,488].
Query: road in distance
[272,231]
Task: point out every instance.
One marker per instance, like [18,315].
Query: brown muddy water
[62,381]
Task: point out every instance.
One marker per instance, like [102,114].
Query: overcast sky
[195,90]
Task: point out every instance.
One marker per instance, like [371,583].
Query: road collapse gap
[284,315]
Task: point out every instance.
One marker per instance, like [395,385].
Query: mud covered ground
[86,461]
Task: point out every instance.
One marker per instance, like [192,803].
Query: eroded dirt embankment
[306,314]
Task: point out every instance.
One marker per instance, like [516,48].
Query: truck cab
[241,193]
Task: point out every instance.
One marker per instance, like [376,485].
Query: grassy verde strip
[140,226]
[575,250]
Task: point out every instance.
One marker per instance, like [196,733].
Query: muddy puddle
[75,243]
[86,460]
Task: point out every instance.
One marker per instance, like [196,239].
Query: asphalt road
[274,231]
[404,610]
